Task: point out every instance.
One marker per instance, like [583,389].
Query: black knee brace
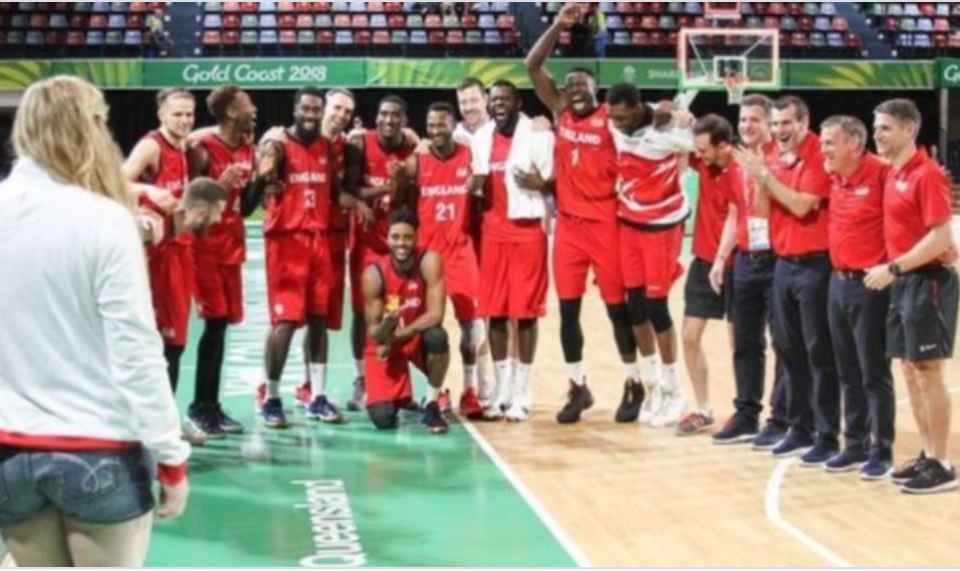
[436,341]
[659,313]
[383,415]
[637,306]
[571,334]
[620,318]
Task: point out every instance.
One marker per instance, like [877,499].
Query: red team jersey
[744,196]
[339,218]
[173,175]
[389,380]
[306,201]
[497,225]
[586,166]
[375,173]
[444,202]
[225,241]
[649,184]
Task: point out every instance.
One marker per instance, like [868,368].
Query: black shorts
[922,322]
[700,299]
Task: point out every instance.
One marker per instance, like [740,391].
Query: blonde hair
[62,125]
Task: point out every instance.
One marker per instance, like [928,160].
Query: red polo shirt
[856,217]
[917,198]
[744,196]
[717,184]
[789,235]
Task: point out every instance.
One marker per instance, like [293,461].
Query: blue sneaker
[876,470]
[847,461]
[820,454]
[433,419]
[272,414]
[323,410]
[738,430]
[794,445]
[771,437]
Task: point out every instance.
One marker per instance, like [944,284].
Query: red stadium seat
[321,7]
[286,7]
[433,21]
[304,7]
[455,38]
[230,21]
[374,6]
[250,7]
[640,39]
[99,21]
[76,38]
[626,7]
[437,38]
[231,7]
[397,21]
[381,37]
[360,21]
[286,21]
[211,38]
[38,20]
[288,37]
[325,37]
[53,38]
[506,22]
[341,21]
[231,38]
[78,21]
[135,21]
[304,21]
[138,7]
[363,37]
[393,6]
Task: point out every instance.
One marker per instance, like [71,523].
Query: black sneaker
[227,424]
[433,419]
[933,479]
[633,395]
[820,454]
[204,417]
[579,399]
[793,445]
[771,437]
[910,470]
[738,430]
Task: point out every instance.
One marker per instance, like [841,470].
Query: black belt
[851,275]
[801,258]
[759,255]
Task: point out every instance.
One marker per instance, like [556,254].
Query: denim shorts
[99,488]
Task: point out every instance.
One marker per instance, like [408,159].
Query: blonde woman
[87,409]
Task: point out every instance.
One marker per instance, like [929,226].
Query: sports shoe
[470,407]
[433,419]
[485,393]
[322,409]
[694,423]
[821,453]
[847,461]
[445,402]
[794,445]
[356,401]
[771,437]
[738,430]
[272,414]
[876,470]
[652,404]
[304,395]
[672,409]
[633,395]
[201,418]
[579,399]
[227,424]
[192,433]
[933,479]
[910,470]
[501,402]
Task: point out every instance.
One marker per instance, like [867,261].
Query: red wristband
[171,475]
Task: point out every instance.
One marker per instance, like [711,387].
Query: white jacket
[530,148]
[80,355]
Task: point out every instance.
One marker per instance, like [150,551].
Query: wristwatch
[895,270]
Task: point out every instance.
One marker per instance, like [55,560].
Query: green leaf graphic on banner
[16,75]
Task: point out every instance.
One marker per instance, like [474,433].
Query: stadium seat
[455,38]
[397,21]
[58,21]
[231,38]
[344,37]
[286,7]
[360,21]
[267,8]
[287,21]
[76,38]
[98,7]
[288,37]
[268,20]
[114,38]
[305,21]
[210,6]
[34,38]
[133,38]
[306,37]
[15,38]
[249,8]
[323,21]
[78,22]
[325,37]
[399,37]
[249,38]
[362,37]
[268,37]
[419,37]
[250,22]
[381,37]
[210,37]
[379,21]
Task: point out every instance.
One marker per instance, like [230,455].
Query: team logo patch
[902,186]
[462,173]
[278,309]
[597,123]
[862,191]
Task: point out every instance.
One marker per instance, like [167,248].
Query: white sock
[631,371]
[273,389]
[576,373]
[524,374]
[502,372]
[513,369]
[358,368]
[946,464]
[433,393]
[469,377]
[670,382]
[318,379]
[652,366]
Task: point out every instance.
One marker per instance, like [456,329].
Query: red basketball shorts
[582,244]
[171,286]
[515,279]
[299,274]
[651,259]
[389,380]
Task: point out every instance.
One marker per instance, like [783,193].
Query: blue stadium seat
[117,22]
[378,21]
[213,6]
[268,20]
[249,38]
[323,21]
[34,38]
[344,37]
[418,37]
[213,21]
[267,7]
[268,37]
[249,22]
[399,37]
[58,21]
[101,7]
[133,38]
[492,37]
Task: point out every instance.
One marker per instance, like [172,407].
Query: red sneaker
[470,407]
[445,402]
[304,396]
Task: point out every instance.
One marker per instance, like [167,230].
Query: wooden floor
[637,496]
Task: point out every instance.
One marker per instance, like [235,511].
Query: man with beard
[587,232]
[404,300]
[297,178]
[799,191]
[374,159]
[224,154]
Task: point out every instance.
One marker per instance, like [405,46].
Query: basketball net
[735,88]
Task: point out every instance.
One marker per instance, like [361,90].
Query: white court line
[772,503]
[773,514]
[551,524]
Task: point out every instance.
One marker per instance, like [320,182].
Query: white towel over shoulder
[530,149]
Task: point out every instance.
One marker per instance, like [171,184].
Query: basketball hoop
[736,87]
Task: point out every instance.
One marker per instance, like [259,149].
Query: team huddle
[843,255]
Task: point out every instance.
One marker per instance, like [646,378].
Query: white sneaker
[672,409]
[652,404]
[519,409]
[502,402]
[485,392]
[356,401]
[192,433]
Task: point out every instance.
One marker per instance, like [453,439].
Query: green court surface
[343,496]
